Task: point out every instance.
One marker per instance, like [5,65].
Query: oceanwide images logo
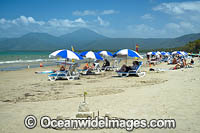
[30,122]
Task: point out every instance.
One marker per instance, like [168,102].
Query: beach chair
[97,68]
[70,74]
[136,72]
[114,67]
[57,75]
[91,71]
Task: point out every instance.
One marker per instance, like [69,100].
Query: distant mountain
[120,43]
[148,43]
[84,39]
[32,41]
[81,37]
[182,40]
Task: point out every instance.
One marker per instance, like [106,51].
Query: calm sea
[20,60]
[10,61]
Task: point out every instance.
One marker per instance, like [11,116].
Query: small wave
[26,61]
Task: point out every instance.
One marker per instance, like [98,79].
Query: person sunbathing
[191,62]
[105,64]
[126,68]
[135,65]
[62,68]
[87,68]
[174,61]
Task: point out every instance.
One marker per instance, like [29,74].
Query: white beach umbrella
[128,52]
[67,54]
[91,55]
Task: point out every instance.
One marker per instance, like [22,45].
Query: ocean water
[20,60]
[11,61]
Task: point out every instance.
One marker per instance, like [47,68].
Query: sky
[112,18]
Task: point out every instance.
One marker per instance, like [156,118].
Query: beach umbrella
[170,53]
[105,53]
[128,52]
[66,54]
[158,53]
[178,52]
[152,53]
[184,53]
[163,53]
[91,55]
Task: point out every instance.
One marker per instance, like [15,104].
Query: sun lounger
[114,67]
[91,71]
[63,75]
[57,75]
[133,72]
[70,74]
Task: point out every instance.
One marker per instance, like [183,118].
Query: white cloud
[107,12]
[102,22]
[2,21]
[181,27]
[171,29]
[67,23]
[93,13]
[21,20]
[144,31]
[80,20]
[22,25]
[178,7]
[147,16]
[187,25]
[84,13]
[173,26]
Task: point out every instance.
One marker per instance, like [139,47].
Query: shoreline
[159,95]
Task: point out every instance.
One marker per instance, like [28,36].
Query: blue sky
[112,18]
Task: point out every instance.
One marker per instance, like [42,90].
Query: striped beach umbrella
[91,55]
[177,52]
[152,53]
[128,52]
[67,54]
[158,52]
[163,53]
[105,53]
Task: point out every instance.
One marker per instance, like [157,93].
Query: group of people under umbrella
[96,57]
[177,57]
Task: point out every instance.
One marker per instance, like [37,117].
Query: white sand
[164,95]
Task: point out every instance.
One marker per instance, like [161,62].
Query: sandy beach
[173,94]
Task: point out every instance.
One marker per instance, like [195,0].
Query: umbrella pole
[65,63]
[126,59]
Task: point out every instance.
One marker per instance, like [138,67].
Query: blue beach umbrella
[91,55]
[163,53]
[128,52]
[185,53]
[105,53]
[177,52]
[67,54]
[152,53]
